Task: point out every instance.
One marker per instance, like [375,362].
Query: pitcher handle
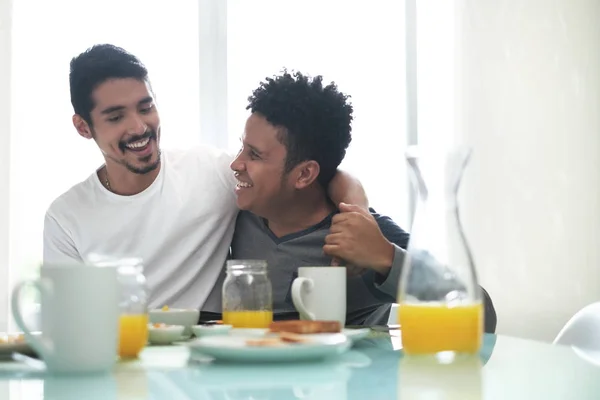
[297,296]
[40,344]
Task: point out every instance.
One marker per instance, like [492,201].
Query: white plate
[353,334]
[356,334]
[254,332]
[234,348]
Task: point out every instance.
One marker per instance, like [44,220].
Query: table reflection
[374,368]
[427,378]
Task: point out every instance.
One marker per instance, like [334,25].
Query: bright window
[48,156]
[357,44]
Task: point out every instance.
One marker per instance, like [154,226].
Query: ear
[306,173]
[82,127]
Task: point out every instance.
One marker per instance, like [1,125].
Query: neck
[304,211]
[124,182]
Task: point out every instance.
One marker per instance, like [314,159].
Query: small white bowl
[249,332]
[210,330]
[165,335]
[176,316]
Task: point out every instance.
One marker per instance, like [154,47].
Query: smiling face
[263,186]
[125,124]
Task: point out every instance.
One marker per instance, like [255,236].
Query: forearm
[345,188]
[387,280]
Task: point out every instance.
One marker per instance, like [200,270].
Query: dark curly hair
[314,120]
[95,66]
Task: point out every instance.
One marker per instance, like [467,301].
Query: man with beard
[174,209]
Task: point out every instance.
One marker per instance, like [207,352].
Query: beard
[145,169]
[151,135]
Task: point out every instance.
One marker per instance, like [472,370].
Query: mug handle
[297,296]
[40,344]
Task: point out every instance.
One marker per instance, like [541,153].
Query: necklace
[106,181]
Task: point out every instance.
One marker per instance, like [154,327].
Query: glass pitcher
[247,295]
[133,320]
[440,301]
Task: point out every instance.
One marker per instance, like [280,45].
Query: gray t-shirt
[368,296]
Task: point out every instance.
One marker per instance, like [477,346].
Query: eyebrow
[255,149]
[144,101]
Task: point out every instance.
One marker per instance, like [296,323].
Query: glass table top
[508,368]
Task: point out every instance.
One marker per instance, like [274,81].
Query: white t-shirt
[181,225]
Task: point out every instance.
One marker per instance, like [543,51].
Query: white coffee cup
[319,293]
[80,317]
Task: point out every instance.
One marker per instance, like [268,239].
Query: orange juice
[133,334]
[248,319]
[433,328]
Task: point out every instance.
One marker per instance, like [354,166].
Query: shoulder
[246,219]
[80,195]
[197,155]
[70,207]
[202,163]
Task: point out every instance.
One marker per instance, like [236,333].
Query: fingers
[348,220]
[332,250]
[337,228]
[334,238]
[340,218]
[345,208]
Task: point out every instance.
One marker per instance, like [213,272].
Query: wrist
[385,259]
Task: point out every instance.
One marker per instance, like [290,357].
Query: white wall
[528,100]
[5,78]
[5,102]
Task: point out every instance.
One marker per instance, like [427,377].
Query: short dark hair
[315,119]
[96,65]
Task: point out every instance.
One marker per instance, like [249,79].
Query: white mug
[319,293]
[80,317]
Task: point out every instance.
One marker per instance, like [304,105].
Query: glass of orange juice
[440,301]
[247,295]
[133,303]
[133,322]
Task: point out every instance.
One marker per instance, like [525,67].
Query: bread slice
[289,337]
[305,327]
[265,342]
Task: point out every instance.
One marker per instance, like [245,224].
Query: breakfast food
[283,333]
[280,339]
[165,308]
[12,339]
[159,325]
[292,338]
[265,342]
[306,327]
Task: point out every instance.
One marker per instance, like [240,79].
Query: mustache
[150,133]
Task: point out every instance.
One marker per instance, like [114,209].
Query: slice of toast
[305,327]
[289,337]
[265,342]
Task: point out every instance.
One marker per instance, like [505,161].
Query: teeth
[138,144]
[244,184]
